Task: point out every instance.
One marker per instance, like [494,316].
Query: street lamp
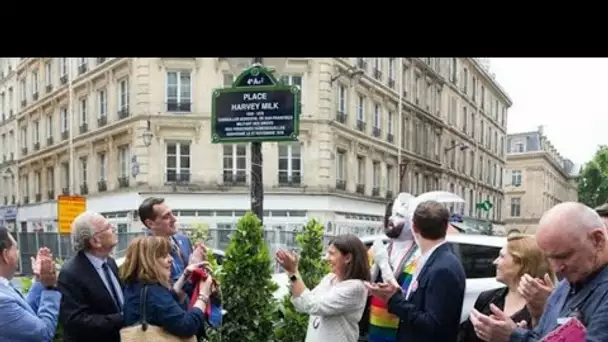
[351,73]
[147,135]
[460,146]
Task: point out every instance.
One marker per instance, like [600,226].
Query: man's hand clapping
[48,274]
[43,253]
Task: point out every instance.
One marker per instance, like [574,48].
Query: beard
[393,232]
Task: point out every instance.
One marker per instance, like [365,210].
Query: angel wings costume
[397,261]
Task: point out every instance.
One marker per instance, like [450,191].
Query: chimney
[541,129]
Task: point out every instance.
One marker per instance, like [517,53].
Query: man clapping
[32,318]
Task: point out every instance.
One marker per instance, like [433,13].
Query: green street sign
[257,107]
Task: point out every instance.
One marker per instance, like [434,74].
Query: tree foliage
[593,179]
[247,286]
[292,325]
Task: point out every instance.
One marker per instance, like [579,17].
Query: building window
[63,67]
[50,180]
[23,90]
[178,162]
[83,170]
[179,91]
[123,162]
[515,207]
[103,173]
[123,95]
[519,148]
[235,163]
[24,137]
[390,123]
[377,116]
[361,108]
[391,70]
[516,178]
[290,163]
[102,102]
[48,73]
[341,166]
[360,170]
[342,102]
[49,126]
[37,183]
[63,117]
[65,173]
[37,132]
[35,82]
[376,175]
[83,111]
[293,80]
[390,177]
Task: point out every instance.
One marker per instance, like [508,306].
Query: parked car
[477,252]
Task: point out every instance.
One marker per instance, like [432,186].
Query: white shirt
[335,309]
[419,268]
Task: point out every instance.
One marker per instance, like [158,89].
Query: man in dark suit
[430,310]
[91,306]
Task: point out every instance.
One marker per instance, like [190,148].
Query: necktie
[106,272]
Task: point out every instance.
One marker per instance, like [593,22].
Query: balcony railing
[389,195]
[65,191]
[49,141]
[375,191]
[377,132]
[84,189]
[181,106]
[36,146]
[123,182]
[123,113]
[286,179]
[35,96]
[238,178]
[102,186]
[102,121]
[390,138]
[84,128]
[82,68]
[360,189]
[51,195]
[391,83]
[361,63]
[49,88]
[341,117]
[377,74]
[24,151]
[361,125]
[63,79]
[340,184]
[180,177]
[38,198]
[65,135]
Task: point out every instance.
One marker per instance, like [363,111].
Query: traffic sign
[68,207]
[257,107]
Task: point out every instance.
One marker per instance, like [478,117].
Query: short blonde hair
[141,261]
[527,254]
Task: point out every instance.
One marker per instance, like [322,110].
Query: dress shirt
[98,265]
[421,261]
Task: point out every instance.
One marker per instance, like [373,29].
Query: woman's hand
[190,268]
[205,286]
[288,260]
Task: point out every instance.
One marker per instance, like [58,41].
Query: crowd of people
[411,289]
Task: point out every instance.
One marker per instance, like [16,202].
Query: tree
[593,179]
[247,286]
[292,324]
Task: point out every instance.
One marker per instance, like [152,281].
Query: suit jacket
[28,319]
[588,302]
[88,312]
[432,313]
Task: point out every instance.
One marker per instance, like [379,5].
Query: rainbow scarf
[383,325]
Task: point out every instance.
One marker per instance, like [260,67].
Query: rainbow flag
[383,325]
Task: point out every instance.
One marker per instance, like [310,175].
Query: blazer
[432,313]
[88,312]
[28,319]
[482,304]
[588,302]
[163,310]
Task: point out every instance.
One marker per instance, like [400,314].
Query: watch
[293,277]
[51,288]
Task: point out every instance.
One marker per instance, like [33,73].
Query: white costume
[402,213]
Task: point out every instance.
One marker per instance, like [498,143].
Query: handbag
[144,332]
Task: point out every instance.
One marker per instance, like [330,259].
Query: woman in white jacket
[336,305]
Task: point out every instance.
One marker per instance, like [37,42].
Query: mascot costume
[396,262]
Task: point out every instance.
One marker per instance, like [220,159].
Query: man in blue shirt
[32,318]
[574,239]
[160,221]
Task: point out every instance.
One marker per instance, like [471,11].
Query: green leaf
[593,179]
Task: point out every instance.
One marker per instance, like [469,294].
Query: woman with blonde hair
[146,274]
[520,257]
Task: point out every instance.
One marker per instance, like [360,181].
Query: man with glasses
[602,210]
[91,307]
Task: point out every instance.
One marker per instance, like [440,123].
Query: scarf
[213,309]
[383,325]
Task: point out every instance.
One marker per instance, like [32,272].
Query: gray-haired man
[91,308]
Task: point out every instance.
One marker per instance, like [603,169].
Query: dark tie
[106,272]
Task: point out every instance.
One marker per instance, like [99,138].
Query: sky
[568,96]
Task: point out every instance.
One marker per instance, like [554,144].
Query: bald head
[569,218]
[573,238]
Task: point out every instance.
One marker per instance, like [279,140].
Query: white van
[477,252]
